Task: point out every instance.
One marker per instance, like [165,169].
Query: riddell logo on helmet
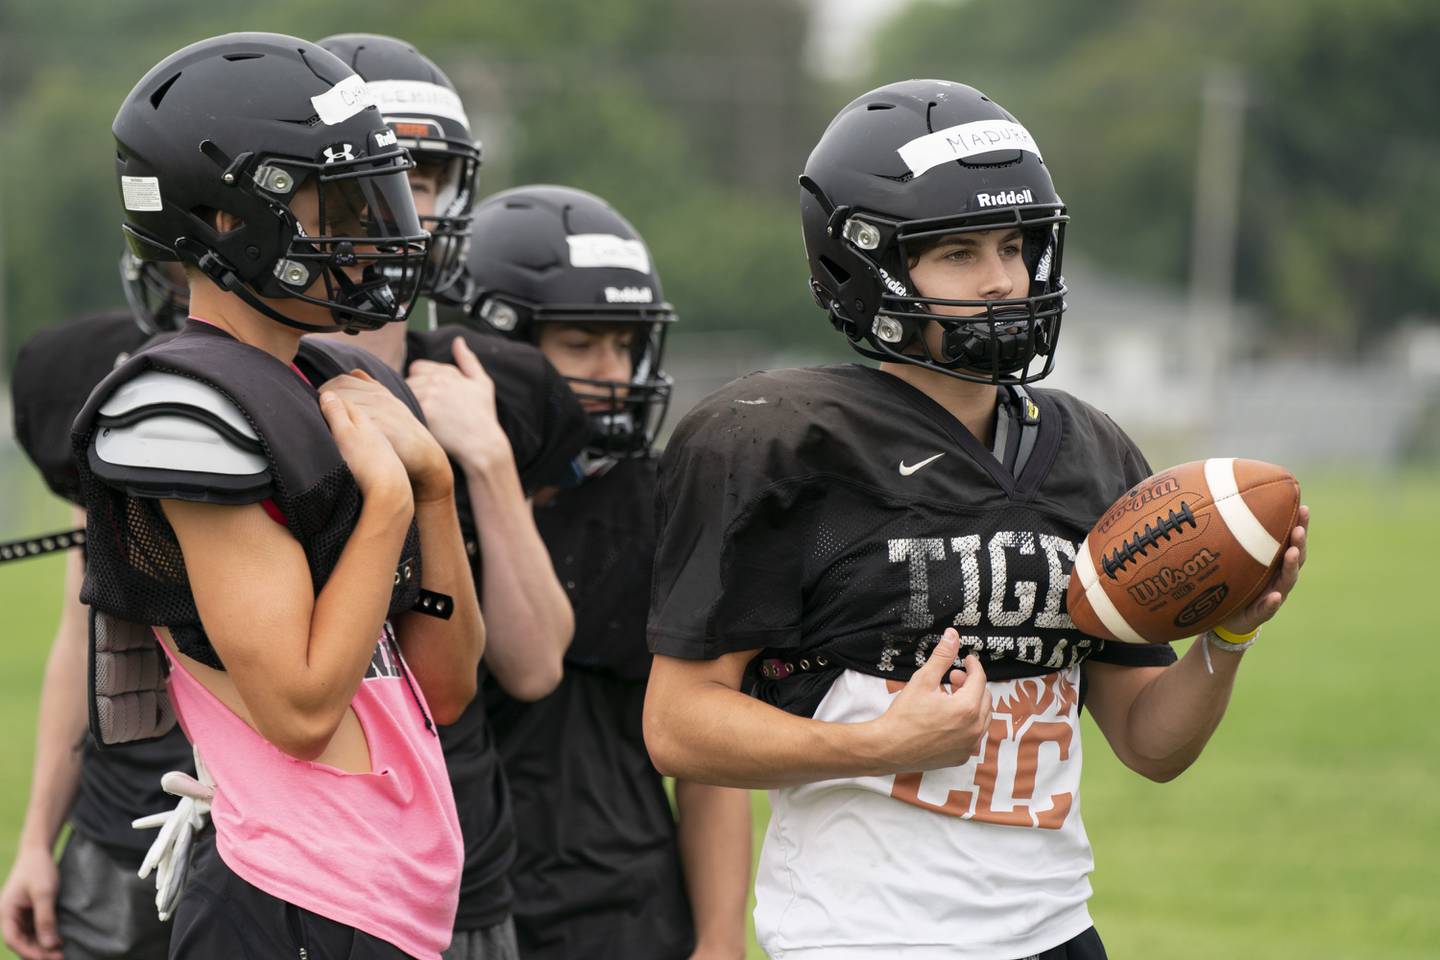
[1005,198]
[629,295]
[893,285]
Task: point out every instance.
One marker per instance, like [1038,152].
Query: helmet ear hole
[222,222]
[839,276]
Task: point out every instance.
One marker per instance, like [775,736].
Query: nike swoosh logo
[907,469]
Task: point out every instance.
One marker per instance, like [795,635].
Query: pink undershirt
[378,851]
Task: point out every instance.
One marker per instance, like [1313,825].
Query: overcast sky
[840,33]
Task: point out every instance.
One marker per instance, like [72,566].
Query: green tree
[1338,142]
[691,118]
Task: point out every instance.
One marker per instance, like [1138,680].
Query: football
[1183,550]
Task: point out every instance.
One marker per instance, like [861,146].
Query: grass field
[1310,828]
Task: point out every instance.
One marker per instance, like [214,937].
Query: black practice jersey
[546,428]
[598,873]
[839,518]
[55,371]
[545,424]
[601,538]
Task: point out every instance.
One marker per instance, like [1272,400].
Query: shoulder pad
[778,405]
[327,358]
[787,425]
[55,372]
[166,435]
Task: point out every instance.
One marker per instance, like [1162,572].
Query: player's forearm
[526,610]
[444,654]
[715,839]
[1173,717]
[55,777]
[298,692]
[58,742]
[714,734]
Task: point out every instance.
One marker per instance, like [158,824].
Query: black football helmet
[240,124]
[158,303]
[909,163]
[420,104]
[548,254]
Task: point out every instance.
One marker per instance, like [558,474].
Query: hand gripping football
[1183,550]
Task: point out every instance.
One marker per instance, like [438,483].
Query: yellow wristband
[1229,637]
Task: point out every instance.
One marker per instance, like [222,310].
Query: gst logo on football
[1203,605]
[629,295]
[1176,582]
[1138,499]
[386,139]
[1005,198]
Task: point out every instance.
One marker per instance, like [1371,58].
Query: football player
[879,558]
[510,426]
[602,869]
[92,904]
[295,550]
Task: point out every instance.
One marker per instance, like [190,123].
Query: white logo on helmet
[339,152]
[1042,269]
[629,295]
[893,285]
[386,139]
[1005,198]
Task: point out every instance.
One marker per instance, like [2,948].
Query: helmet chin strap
[259,305]
[225,277]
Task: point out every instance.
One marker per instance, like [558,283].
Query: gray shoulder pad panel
[164,421]
[166,436]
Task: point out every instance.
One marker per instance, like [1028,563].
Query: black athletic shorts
[1086,946]
[220,915]
[104,911]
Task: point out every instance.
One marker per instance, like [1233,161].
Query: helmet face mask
[629,413]
[625,415]
[878,190]
[365,218]
[449,225]
[983,341]
[425,114]
[192,158]
[158,303]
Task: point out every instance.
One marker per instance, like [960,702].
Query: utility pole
[1217,206]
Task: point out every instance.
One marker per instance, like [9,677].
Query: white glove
[171,850]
